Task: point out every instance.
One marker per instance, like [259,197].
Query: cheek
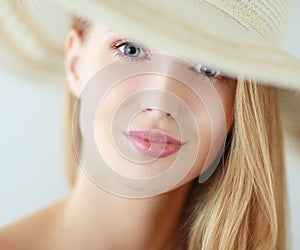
[92,61]
[226,95]
[226,92]
[229,119]
[95,57]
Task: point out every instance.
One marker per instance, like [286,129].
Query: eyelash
[218,74]
[116,47]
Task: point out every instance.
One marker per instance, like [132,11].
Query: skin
[89,217]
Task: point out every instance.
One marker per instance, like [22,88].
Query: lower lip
[153,149]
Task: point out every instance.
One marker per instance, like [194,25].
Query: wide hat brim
[33,34]
[196,30]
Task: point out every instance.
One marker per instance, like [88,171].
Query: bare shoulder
[30,231]
[18,233]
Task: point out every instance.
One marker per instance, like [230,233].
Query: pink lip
[153,143]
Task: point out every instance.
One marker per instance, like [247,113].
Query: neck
[98,218]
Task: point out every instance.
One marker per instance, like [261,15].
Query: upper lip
[153,135]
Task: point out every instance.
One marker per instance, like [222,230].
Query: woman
[240,206]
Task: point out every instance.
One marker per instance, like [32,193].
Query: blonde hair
[71,159]
[242,206]
[81,26]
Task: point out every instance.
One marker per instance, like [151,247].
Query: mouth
[153,143]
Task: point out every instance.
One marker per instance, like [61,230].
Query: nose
[163,91]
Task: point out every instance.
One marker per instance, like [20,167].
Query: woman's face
[154,132]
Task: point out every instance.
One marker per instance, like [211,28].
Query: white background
[31,147]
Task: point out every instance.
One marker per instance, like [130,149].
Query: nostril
[157,111]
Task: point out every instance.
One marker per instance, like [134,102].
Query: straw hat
[235,36]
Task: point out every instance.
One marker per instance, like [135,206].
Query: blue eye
[205,70]
[208,71]
[130,51]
